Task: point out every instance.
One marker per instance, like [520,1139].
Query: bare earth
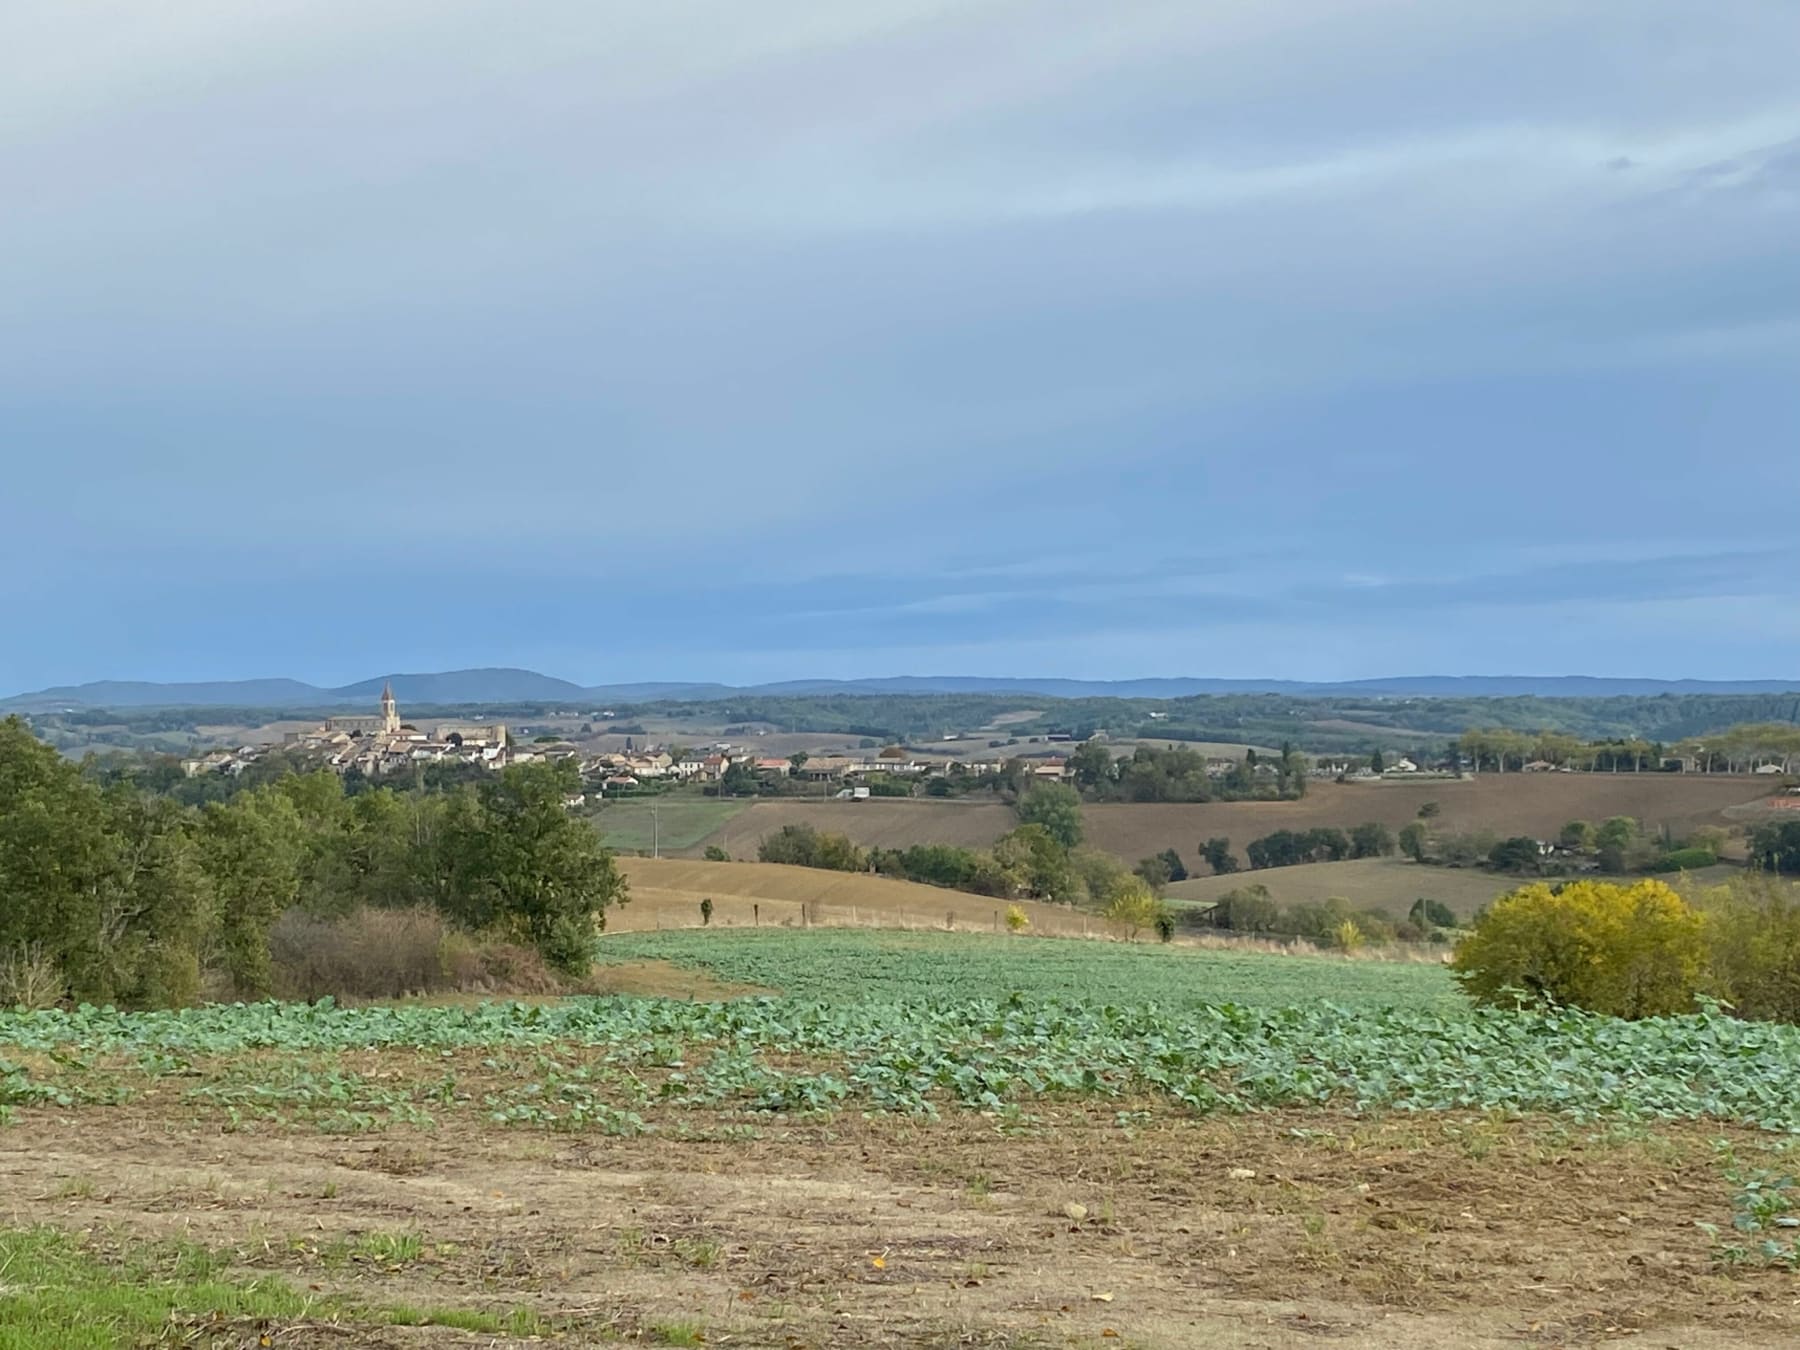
[1407,1232]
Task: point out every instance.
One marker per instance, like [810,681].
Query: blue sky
[702,340]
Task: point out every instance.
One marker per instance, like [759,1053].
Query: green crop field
[903,1115]
[671,824]
[857,965]
[937,1050]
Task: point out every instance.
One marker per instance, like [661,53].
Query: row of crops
[850,965]
[605,1062]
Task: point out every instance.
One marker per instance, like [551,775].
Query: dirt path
[1088,1229]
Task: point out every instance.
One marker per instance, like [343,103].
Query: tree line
[1178,774]
[133,897]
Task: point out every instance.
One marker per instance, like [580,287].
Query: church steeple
[390,712]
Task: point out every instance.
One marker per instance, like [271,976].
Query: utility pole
[655,832]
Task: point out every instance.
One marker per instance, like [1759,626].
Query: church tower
[390,712]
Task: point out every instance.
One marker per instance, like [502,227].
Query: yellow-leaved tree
[1134,907]
[1635,950]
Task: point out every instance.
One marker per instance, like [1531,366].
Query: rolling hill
[510,685]
[666,893]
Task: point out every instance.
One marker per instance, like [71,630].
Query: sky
[701,340]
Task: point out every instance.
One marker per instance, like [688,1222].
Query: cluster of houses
[376,745]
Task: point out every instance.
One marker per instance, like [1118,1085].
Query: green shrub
[1247,909]
[1631,951]
[1432,914]
[1684,860]
[1753,933]
[1518,854]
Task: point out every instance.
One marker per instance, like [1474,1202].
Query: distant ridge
[501,685]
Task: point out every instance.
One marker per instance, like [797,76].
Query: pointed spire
[387,691]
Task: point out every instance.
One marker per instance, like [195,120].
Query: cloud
[788,332]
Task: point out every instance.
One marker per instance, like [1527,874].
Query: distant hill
[465,686]
[505,685]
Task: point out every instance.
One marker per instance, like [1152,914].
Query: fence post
[756,916]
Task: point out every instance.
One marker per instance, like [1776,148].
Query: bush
[389,953]
[1247,909]
[1753,931]
[803,846]
[1630,951]
[1466,848]
[368,953]
[1017,920]
[30,977]
[1412,841]
[1432,914]
[714,853]
[1684,860]
[1518,854]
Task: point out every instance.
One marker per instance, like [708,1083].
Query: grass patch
[57,1293]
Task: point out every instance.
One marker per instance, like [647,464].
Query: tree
[1165,926]
[706,912]
[1038,863]
[738,780]
[1057,808]
[55,858]
[1518,854]
[1628,951]
[1219,856]
[1098,875]
[1577,834]
[1324,843]
[800,845]
[1134,907]
[1776,846]
[1177,869]
[1153,871]
[1412,841]
[1616,833]
[797,761]
[525,865]
[253,847]
[1376,763]
[1371,840]
[1091,766]
[1431,914]
[713,853]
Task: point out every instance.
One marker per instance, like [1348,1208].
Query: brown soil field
[666,893]
[1288,1229]
[1382,883]
[1515,803]
[1532,804]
